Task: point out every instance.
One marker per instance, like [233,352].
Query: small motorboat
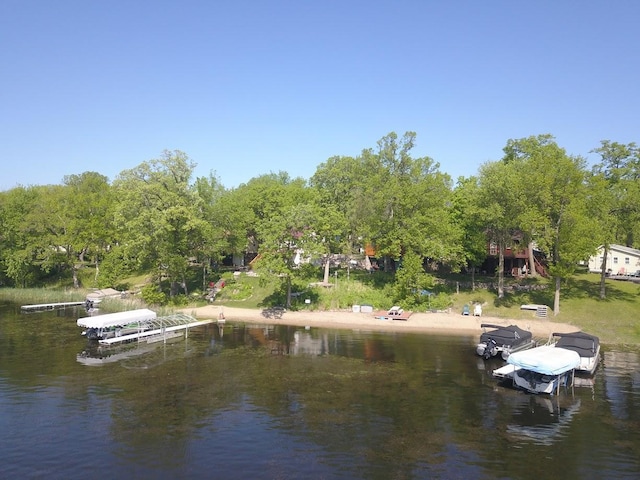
[503,340]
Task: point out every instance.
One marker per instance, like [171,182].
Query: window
[615,260]
[493,248]
[626,260]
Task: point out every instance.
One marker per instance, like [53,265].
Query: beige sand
[442,323]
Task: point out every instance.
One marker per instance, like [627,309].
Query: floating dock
[50,306]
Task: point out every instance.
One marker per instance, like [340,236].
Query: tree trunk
[473,278]
[556,297]
[501,270]
[288,292]
[184,286]
[603,272]
[532,262]
[325,279]
[76,283]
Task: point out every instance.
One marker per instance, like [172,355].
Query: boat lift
[160,329]
[147,327]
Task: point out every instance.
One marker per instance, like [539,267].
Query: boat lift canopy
[117,319]
[547,360]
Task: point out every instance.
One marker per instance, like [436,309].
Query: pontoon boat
[541,369]
[503,340]
[587,346]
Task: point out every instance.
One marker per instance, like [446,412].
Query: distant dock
[50,306]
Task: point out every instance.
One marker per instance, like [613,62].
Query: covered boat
[503,340]
[116,324]
[541,369]
[587,346]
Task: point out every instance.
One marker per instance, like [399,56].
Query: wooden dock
[50,306]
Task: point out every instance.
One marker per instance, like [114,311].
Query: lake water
[256,402]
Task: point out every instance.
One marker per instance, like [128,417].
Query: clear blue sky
[251,87]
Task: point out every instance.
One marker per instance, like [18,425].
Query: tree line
[157,217]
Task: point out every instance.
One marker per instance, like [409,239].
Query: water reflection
[541,419]
[142,354]
[261,401]
[622,383]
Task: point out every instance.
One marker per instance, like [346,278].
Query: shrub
[152,295]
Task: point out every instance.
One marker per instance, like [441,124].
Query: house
[621,260]
[516,259]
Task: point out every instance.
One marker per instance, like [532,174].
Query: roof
[547,360]
[621,248]
[116,319]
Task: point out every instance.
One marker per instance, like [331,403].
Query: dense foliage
[157,218]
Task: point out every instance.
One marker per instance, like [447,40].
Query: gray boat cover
[510,336]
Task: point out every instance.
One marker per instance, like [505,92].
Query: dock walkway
[50,306]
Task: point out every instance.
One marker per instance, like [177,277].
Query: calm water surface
[254,402]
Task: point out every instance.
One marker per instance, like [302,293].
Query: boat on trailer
[503,340]
[586,345]
[541,369]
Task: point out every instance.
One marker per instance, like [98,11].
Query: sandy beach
[441,323]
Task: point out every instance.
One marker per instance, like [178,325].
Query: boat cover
[116,319]
[547,360]
[586,345]
[511,335]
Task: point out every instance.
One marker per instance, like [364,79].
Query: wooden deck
[384,315]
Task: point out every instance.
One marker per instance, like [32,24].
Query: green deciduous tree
[498,204]
[223,232]
[553,203]
[159,223]
[17,246]
[341,184]
[289,238]
[615,181]
[89,204]
[410,204]
[467,214]
[412,285]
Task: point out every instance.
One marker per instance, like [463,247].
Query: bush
[178,300]
[152,295]
[441,301]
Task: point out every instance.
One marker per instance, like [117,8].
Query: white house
[621,260]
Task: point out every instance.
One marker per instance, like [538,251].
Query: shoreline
[436,323]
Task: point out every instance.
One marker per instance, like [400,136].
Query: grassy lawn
[615,320]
